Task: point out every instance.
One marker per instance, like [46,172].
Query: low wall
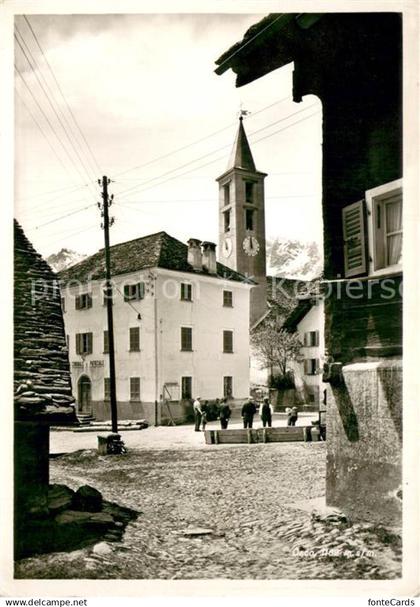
[364,424]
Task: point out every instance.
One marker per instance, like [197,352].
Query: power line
[133,188]
[49,97]
[41,225]
[223,157]
[43,133]
[140,166]
[70,187]
[63,96]
[48,121]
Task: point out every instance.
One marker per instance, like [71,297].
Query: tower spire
[241,156]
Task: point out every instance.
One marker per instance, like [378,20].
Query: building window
[226,220]
[83,302]
[186,388]
[84,343]
[106,342]
[311,339]
[134,339]
[228,299]
[249,191]
[186,339]
[186,291]
[311,366]
[135,388]
[105,297]
[385,229]
[249,219]
[228,386]
[378,248]
[63,304]
[226,193]
[107,388]
[134,292]
[228,342]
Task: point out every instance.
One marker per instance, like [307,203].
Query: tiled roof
[42,385]
[153,251]
[284,296]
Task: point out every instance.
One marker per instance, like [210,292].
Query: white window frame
[373,196]
[186,286]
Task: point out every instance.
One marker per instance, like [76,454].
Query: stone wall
[42,383]
[364,440]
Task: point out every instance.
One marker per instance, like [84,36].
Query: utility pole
[114,444]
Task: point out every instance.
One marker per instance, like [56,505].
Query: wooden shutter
[88,301]
[106,342]
[140,290]
[306,339]
[228,341]
[134,339]
[316,338]
[78,342]
[354,239]
[77,302]
[89,339]
[127,292]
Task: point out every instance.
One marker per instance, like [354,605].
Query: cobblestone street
[249,497]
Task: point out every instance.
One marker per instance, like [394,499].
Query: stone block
[87,499]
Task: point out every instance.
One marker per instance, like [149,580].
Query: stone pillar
[364,442]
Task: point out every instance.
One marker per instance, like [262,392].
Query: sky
[135,97]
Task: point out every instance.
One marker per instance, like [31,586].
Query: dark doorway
[85,394]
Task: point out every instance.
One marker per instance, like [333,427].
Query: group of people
[248,411]
[200,414]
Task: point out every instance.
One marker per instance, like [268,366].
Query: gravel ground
[249,496]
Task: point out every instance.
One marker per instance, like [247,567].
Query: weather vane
[242,112]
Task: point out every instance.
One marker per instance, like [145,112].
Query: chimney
[209,257]
[194,254]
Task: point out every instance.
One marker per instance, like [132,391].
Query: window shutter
[141,290]
[89,347]
[306,339]
[78,335]
[354,239]
[127,293]
[77,302]
[306,364]
[88,301]
[316,338]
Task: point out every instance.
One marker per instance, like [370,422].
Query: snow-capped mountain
[293,259]
[64,259]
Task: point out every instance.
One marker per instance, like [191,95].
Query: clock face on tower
[227,247]
[251,245]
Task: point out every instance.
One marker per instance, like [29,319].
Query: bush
[282,382]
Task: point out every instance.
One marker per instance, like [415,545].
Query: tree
[276,347]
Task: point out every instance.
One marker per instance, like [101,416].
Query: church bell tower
[242,223]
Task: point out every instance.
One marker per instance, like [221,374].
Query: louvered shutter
[77,302]
[88,301]
[306,339]
[141,290]
[354,239]
[89,348]
[316,337]
[78,336]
